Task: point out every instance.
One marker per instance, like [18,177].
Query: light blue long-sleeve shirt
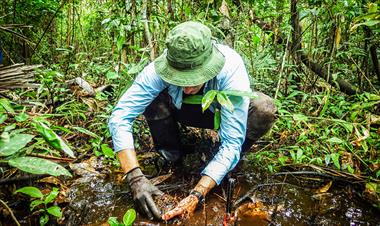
[148,85]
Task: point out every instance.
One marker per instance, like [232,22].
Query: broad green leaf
[369,23]
[129,217]
[44,219]
[225,101]
[335,140]
[10,127]
[335,159]
[6,105]
[238,93]
[300,117]
[35,203]
[208,98]
[52,195]
[372,8]
[55,211]
[112,221]
[31,191]
[193,99]
[38,166]
[53,139]
[217,119]
[15,144]
[3,117]
[21,117]
[107,151]
[85,131]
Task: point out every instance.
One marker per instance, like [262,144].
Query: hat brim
[190,77]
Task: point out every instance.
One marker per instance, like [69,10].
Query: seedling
[128,219]
[43,203]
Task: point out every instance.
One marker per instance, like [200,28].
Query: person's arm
[190,203]
[133,102]
[128,160]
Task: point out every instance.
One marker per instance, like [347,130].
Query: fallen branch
[23,178]
[11,212]
[252,190]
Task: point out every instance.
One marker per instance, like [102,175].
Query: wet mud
[95,198]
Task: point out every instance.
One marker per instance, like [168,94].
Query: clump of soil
[166,202]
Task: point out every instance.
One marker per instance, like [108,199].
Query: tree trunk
[343,85]
[375,61]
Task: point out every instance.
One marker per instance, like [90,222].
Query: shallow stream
[286,201]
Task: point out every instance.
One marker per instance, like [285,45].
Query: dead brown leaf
[252,214]
[325,188]
[224,9]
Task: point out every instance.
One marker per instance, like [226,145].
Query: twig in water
[249,193]
[10,211]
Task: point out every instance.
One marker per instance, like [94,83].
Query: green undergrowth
[326,130]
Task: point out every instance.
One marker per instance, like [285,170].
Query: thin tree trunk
[148,37]
[343,85]
[375,61]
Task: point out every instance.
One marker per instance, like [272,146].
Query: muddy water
[94,198]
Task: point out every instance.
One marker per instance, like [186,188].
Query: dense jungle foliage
[318,59]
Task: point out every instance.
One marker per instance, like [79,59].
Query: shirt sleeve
[133,102]
[233,124]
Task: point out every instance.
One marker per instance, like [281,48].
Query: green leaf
[21,117]
[10,127]
[6,105]
[3,117]
[300,117]
[299,154]
[55,211]
[283,159]
[44,219]
[217,119]
[225,101]
[369,23]
[52,195]
[31,191]
[107,151]
[85,131]
[106,21]
[129,217]
[35,203]
[112,221]
[327,159]
[335,140]
[38,166]
[193,99]
[15,144]
[53,139]
[120,42]
[208,98]
[112,75]
[239,93]
[335,159]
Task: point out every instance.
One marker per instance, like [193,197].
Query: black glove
[142,190]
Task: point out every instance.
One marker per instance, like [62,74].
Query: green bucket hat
[191,58]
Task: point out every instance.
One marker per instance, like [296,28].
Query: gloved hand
[142,190]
